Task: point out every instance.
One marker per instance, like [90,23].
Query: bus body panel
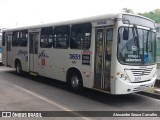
[20,53]
[53,67]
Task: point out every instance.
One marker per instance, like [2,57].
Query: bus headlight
[122,76]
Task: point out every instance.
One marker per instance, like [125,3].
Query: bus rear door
[8,38]
[33,51]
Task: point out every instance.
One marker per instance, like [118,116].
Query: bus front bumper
[122,87]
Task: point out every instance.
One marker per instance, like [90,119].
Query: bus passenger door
[33,52]
[8,38]
[103,57]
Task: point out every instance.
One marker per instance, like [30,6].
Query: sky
[16,13]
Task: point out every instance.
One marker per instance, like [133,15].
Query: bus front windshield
[137,47]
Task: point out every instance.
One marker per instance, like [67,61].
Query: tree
[154,15]
[127,10]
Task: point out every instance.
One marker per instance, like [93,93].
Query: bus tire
[18,68]
[75,81]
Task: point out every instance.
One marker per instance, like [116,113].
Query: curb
[153,95]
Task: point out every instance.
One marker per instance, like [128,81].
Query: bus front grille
[141,72]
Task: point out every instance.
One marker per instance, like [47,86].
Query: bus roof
[82,20]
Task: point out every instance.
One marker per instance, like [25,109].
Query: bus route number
[75,56]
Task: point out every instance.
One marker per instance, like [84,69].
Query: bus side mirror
[125,34]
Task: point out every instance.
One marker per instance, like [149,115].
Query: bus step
[104,91]
[33,73]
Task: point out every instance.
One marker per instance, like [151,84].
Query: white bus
[111,53]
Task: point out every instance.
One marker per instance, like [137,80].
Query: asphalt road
[29,93]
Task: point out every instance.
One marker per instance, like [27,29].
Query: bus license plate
[142,88]
[137,79]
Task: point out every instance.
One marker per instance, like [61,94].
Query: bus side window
[61,36]
[80,36]
[3,39]
[23,38]
[15,38]
[73,44]
[46,37]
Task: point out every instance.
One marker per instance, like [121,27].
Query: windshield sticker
[146,59]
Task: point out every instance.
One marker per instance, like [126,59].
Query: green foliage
[127,10]
[154,15]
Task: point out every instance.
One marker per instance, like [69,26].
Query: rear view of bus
[135,61]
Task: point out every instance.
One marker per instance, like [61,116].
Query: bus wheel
[76,83]
[18,68]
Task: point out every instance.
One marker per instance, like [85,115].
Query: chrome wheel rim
[74,81]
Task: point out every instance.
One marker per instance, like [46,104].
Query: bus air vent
[141,72]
